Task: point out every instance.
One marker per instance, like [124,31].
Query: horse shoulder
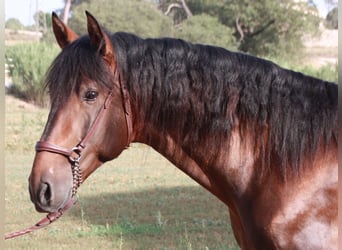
[308,217]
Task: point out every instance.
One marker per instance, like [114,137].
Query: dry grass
[138,201]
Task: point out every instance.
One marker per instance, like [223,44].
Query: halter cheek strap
[47,146]
[74,156]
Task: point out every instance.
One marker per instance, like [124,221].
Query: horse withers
[261,138]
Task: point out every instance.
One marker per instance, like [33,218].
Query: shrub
[327,72]
[217,34]
[28,64]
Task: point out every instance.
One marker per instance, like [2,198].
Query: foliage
[45,26]
[43,21]
[13,24]
[264,27]
[28,65]
[138,17]
[328,72]
[273,28]
[206,29]
[331,21]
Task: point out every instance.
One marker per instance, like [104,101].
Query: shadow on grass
[170,218]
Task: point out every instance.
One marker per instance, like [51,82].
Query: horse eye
[90,95]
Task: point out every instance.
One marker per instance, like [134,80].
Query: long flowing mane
[199,93]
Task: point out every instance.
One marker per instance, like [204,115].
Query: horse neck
[171,116]
[204,160]
[187,119]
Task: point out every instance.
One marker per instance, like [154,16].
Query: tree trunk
[177,5]
[66,11]
[186,8]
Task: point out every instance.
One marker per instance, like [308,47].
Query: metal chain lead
[76,176]
[76,171]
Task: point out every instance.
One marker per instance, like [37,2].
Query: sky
[25,9]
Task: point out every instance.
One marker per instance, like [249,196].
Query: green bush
[139,17]
[215,33]
[327,72]
[28,64]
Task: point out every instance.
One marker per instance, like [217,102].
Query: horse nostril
[44,195]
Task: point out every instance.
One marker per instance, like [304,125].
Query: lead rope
[52,217]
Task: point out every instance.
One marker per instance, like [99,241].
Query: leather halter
[75,152]
[47,146]
[74,156]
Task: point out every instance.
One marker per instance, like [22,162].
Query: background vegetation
[265,28]
[27,64]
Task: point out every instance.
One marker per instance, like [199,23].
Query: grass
[138,201]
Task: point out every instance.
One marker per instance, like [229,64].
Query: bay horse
[261,138]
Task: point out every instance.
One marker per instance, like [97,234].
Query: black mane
[64,75]
[199,92]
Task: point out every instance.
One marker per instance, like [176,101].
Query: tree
[42,19]
[181,5]
[139,17]
[13,24]
[48,35]
[66,11]
[206,29]
[331,21]
[263,27]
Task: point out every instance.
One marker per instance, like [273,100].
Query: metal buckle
[77,158]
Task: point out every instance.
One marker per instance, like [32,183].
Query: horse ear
[101,41]
[64,35]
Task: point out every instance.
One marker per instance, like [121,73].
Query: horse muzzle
[50,185]
[46,199]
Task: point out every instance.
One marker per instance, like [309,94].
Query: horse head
[88,122]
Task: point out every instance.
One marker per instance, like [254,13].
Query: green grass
[138,201]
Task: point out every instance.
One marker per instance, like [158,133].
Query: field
[138,201]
